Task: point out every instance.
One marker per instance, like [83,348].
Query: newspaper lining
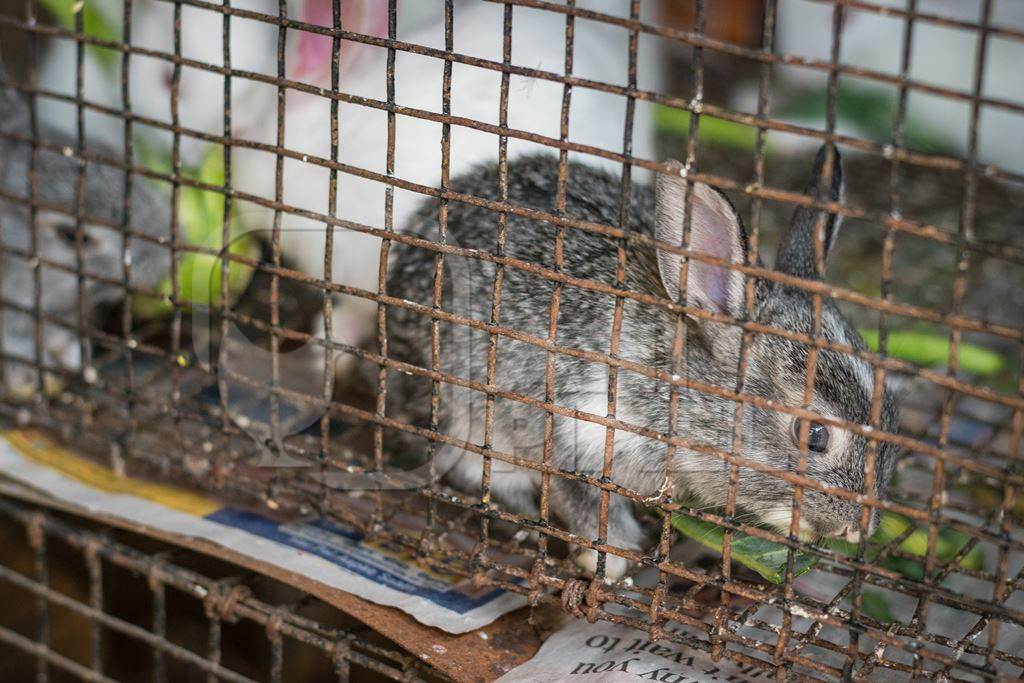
[604,652]
[324,551]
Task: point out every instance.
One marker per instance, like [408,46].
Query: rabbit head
[53,233]
[777,367]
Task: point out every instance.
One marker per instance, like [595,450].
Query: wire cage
[220,345]
[115,606]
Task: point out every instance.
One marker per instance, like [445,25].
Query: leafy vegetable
[872,110]
[201,215]
[927,349]
[726,133]
[768,558]
[765,557]
[990,496]
[94,23]
[876,605]
[948,543]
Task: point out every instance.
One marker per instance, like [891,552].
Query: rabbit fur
[56,233]
[538,42]
[596,119]
[253,49]
[843,385]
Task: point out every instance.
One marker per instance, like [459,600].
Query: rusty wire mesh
[98,604]
[148,409]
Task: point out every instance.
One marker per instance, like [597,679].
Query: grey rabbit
[56,239]
[777,367]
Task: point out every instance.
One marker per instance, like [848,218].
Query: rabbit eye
[817,436]
[68,233]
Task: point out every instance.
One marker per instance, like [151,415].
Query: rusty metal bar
[145,428]
[162,572]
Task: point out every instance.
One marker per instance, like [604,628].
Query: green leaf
[948,543]
[928,350]
[876,606]
[988,496]
[716,131]
[870,109]
[201,216]
[765,557]
[769,559]
[94,23]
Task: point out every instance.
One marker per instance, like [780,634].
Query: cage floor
[188,440]
[90,602]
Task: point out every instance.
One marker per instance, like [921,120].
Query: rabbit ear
[313,51]
[796,254]
[715,230]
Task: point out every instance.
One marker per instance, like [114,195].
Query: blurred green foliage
[928,349]
[716,131]
[201,215]
[769,559]
[875,605]
[94,23]
[868,109]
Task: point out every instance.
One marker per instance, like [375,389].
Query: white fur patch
[780,519]
[614,566]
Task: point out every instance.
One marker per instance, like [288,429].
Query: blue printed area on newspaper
[344,547]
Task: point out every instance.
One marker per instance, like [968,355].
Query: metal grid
[99,604]
[147,420]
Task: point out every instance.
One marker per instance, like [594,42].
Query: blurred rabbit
[777,367]
[598,119]
[200,92]
[56,240]
[942,56]
[252,48]
[600,53]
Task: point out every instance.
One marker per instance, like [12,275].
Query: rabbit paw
[615,567]
[62,350]
[22,383]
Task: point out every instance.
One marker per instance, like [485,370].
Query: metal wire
[167,573]
[148,412]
